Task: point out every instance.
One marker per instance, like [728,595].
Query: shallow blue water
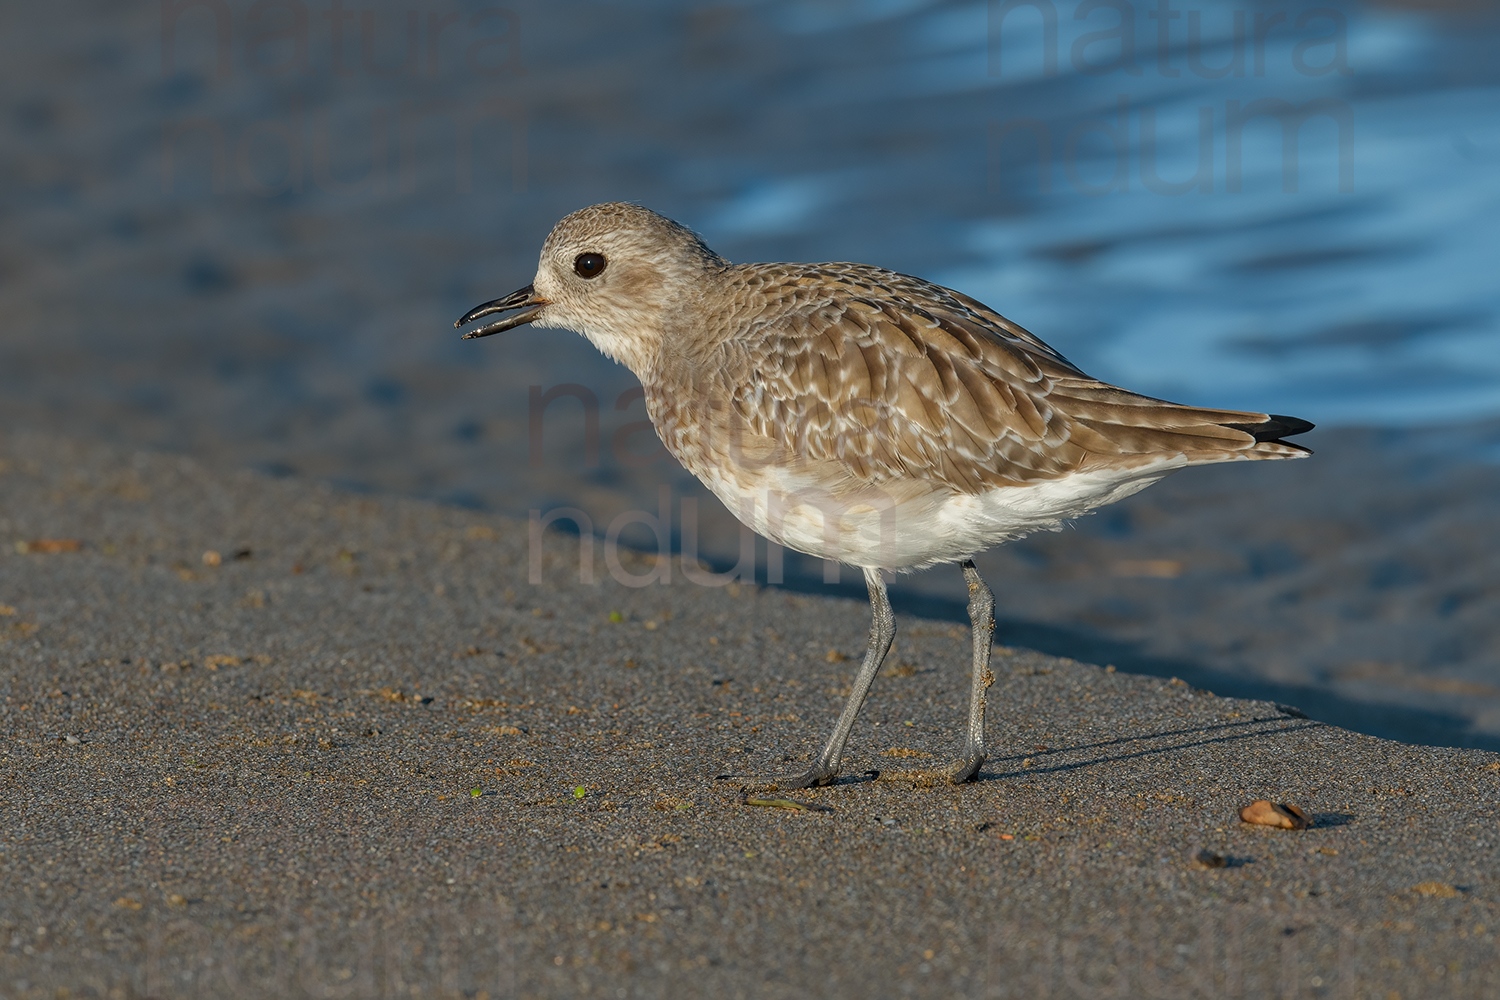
[1351,273]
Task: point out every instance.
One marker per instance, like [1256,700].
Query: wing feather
[877,376]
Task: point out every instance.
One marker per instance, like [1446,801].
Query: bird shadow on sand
[1406,724]
[1223,731]
[1392,722]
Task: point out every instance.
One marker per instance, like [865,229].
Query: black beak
[524,299]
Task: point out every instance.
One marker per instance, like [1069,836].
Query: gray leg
[882,633]
[982,619]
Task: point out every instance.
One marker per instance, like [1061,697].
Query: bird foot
[967,768]
[818,774]
[815,776]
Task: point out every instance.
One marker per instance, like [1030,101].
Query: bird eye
[589,265]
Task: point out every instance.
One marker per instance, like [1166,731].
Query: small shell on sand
[1282,815]
[1438,890]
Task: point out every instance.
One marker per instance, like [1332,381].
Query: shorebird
[861,415]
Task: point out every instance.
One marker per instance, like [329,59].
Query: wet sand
[364,755]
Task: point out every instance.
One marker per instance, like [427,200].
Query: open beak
[523,299]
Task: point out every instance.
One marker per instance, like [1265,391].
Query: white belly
[909,526]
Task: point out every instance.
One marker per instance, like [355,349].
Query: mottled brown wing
[894,377]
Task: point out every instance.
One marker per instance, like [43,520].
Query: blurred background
[241,231]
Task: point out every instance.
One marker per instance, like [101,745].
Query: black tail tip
[1274,428]
[1279,427]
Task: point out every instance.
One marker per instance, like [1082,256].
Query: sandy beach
[263,738]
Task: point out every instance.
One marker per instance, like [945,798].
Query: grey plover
[861,415]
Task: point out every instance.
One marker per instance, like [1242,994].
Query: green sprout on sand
[476,792]
[579,791]
[615,616]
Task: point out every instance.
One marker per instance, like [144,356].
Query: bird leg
[882,633]
[982,619]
